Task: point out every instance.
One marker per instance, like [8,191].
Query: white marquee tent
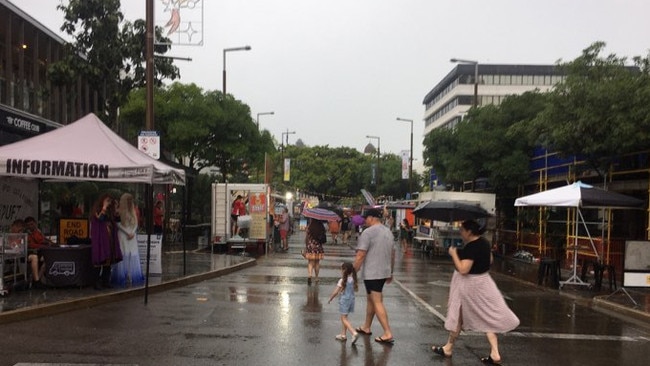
[86,150]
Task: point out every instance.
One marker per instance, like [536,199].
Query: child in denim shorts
[346,287]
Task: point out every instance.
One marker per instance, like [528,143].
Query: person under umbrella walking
[314,252]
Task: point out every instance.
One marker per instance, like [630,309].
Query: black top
[479,251]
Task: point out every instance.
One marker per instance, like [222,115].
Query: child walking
[346,287]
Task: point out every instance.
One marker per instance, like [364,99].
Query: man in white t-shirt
[374,261]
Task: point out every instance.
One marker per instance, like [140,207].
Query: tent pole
[574,279]
[148,193]
[591,241]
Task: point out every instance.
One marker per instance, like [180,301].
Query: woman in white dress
[128,271]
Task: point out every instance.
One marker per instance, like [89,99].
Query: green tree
[486,144]
[202,129]
[112,58]
[600,111]
[338,174]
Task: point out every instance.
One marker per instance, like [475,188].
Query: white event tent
[86,150]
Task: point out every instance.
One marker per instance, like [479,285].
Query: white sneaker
[355,336]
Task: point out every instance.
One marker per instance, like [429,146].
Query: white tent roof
[579,194]
[84,150]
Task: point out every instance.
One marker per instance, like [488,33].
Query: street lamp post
[411,155]
[475,63]
[244,48]
[378,157]
[261,114]
[282,142]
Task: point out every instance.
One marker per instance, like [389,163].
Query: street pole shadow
[348,355]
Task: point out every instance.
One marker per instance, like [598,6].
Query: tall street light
[378,157]
[244,48]
[261,114]
[282,141]
[411,156]
[475,63]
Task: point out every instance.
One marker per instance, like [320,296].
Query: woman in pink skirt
[475,302]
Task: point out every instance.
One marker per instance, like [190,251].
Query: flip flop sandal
[361,331]
[440,351]
[489,361]
[385,340]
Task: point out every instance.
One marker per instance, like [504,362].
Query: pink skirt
[476,304]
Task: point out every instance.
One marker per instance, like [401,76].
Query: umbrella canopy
[449,211]
[358,220]
[321,214]
[579,194]
[332,207]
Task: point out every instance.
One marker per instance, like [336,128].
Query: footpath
[630,303]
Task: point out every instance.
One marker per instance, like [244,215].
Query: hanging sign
[149,143]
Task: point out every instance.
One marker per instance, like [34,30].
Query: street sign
[149,143]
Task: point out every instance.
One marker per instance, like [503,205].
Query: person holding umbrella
[314,240]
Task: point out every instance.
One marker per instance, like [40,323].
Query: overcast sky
[335,71]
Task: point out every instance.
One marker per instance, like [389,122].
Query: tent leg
[622,289]
[574,279]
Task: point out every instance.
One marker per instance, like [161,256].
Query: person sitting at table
[35,241]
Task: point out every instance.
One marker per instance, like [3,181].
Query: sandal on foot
[489,361]
[341,338]
[384,340]
[355,337]
[440,351]
[361,331]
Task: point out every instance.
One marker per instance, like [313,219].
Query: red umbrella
[321,214]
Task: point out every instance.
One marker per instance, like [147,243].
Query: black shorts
[234,218]
[374,285]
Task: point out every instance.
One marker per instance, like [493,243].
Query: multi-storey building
[449,100]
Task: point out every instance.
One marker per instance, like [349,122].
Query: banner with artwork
[181,21]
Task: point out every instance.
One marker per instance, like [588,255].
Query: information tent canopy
[579,195]
[86,150]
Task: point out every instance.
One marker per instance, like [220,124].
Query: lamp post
[282,142]
[261,114]
[244,48]
[411,155]
[475,63]
[378,157]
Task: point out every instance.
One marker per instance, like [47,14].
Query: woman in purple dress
[103,236]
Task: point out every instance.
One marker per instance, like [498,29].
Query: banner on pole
[181,21]
[287,169]
[405,163]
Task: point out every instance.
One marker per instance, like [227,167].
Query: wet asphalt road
[267,315]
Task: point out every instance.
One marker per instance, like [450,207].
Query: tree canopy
[600,111]
[483,145]
[107,52]
[203,129]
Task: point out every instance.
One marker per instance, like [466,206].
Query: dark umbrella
[449,211]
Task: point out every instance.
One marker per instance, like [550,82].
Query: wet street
[266,314]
